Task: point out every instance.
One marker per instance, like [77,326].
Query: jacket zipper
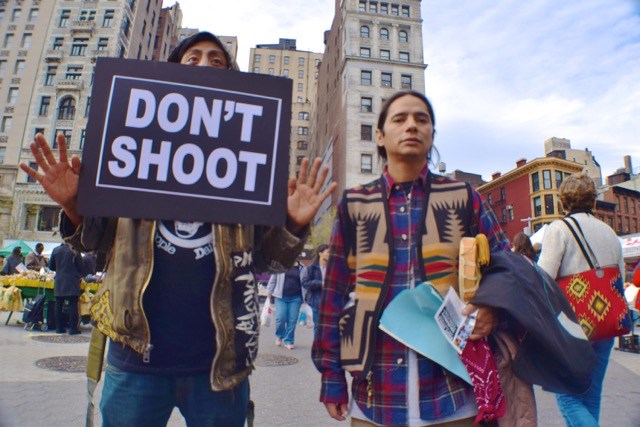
[146,355]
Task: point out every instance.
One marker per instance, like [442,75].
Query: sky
[503,75]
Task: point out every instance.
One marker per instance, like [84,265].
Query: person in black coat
[312,277]
[66,286]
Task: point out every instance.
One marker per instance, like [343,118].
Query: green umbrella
[6,251]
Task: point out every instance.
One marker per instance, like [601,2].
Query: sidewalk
[285,395]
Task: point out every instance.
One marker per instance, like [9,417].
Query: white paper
[455,327]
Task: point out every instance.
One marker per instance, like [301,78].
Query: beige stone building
[374,49]
[62,48]
[283,59]
[561,148]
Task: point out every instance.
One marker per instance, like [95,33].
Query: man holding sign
[179,299]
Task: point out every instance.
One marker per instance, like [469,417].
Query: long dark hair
[382,152]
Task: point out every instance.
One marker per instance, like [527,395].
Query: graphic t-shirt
[177,304]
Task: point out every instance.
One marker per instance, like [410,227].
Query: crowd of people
[174,322]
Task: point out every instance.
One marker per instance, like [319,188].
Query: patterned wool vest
[447,217]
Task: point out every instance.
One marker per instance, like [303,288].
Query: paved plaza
[284,386]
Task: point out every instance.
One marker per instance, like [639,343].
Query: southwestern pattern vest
[446,218]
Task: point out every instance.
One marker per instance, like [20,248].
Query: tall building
[561,148]
[283,59]
[167,32]
[373,50]
[71,35]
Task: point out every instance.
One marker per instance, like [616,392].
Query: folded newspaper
[419,317]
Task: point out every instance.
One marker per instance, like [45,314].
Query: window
[3,151]
[26,41]
[558,179]
[300,87]
[503,215]
[89,15]
[300,74]
[79,47]
[107,20]
[286,60]
[535,182]
[16,14]
[373,7]
[404,57]
[45,101]
[394,10]
[301,62]
[103,43]
[366,163]
[384,8]
[270,71]
[303,115]
[405,81]
[385,54]
[51,75]
[362,6]
[37,131]
[403,36]
[32,165]
[384,34]
[67,135]
[48,217]
[405,11]
[285,72]
[83,136]
[548,204]
[302,145]
[364,32]
[366,132]
[365,52]
[546,179]
[537,206]
[385,80]
[490,199]
[272,59]
[256,69]
[5,125]
[3,67]
[299,160]
[366,105]
[67,108]
[12,95]
[8,41]
[365,78]
[503,194]
[303,130]
[65,14]
[57,43]
[73,72]
[19,67]
[87,107]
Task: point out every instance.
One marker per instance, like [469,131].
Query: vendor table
[32,287]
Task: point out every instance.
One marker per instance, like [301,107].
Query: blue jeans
[584,410]
[287,311]
[133,399]
[316,320]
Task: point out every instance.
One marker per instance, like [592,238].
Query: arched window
[364,32]
[384,34]
[67,108]
[403,36]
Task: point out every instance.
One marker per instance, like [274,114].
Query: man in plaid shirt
[390,235]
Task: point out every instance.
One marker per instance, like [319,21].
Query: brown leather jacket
[239,251]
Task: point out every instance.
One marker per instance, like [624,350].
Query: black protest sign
[170,141]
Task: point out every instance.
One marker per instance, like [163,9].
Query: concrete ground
[285,395]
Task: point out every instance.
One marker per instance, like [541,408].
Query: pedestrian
[66,285]
[285,289]
[35,260]
[13,261]
[180,335]
[390,235]
[312,278]
[561,256]
[522,245]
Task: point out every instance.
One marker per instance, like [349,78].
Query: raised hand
[60,177]
[304,197]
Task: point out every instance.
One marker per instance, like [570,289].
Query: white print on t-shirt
[182,236]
